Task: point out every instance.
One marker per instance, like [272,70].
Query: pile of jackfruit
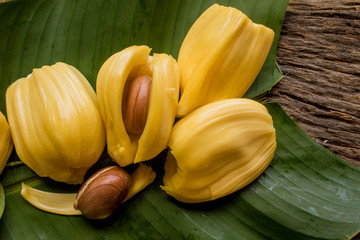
[220,142]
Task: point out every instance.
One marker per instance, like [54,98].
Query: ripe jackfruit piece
[55,122]
[6,144]
[218,149]
[220,57]
[58,203]
[142,177]
[112,87]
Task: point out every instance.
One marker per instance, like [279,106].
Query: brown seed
[103,192]
[136,104]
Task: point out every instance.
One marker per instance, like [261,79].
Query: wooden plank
[319,52]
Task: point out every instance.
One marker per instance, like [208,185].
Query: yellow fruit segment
[140,179]
[6,144]
[58,203]
[63,203]
[220,57]
[55,122]
[218,149]
[162,111]
[113,81]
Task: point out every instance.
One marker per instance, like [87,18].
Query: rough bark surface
[319,53]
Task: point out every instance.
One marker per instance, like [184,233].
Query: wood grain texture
[319,53]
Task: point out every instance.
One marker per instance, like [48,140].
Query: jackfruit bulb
[55,122]
[6,144]
[218,149]
[138,95]
[220,57]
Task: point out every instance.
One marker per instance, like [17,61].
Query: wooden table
[319,53]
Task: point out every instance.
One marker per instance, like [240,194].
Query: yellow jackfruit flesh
[55,122]
[6,144]
[220,57]
[58,203]
[113,79]
[140,179]
[218,149]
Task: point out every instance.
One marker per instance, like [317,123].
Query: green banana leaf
[306,193]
